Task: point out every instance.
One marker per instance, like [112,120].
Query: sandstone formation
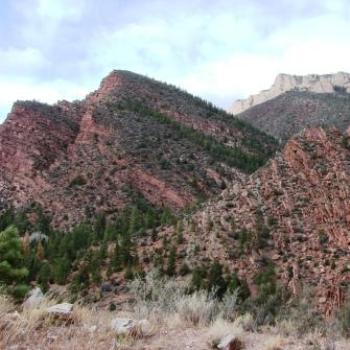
[291,216]
[134,136]
[327,83]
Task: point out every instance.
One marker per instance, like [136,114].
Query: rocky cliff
[132,135]
[327,83]
[290,218]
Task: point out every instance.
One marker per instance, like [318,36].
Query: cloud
[48,92]
[17,61]
[303,47]
[229,49]
[59,10]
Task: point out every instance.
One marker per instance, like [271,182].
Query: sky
[220,50]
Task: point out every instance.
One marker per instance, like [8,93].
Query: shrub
[78,181]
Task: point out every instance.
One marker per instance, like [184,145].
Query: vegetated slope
[133,134]
[289,113]
[288,222]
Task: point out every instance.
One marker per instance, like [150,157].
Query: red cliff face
[79,158]
[293,212]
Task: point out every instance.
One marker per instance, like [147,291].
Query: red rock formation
[82,157]
[302,198]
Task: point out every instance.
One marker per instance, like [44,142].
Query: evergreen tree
[171,266]
[237,284]
[167,217]
[33,265]
[12,269]
[43,222]
[116,262]
[150,219]
[198,277]
[134,224]
[44,276]
[21,222]
[103,251]
[216,281]
[60,270]
[110,233]
[6,219]
[100,225]
[179,232]
[127,250]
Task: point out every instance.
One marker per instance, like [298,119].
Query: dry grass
[36,328]
[175,319]
[221,328]
[274,342]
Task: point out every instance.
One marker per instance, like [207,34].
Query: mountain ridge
[293,111]
[167,145]
[319,83]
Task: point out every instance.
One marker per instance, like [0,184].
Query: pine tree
[103,251]
[150,219]
[198,277]
[167,217]
[100,225]
[116,262]
[12,269]
[43,222]
[127,251]
[235,284]
[216,281]
[60,270]
[110,233]
[171,266]
[6,219]
[33,265]
[44,276]
[21,222]
[134,224]
[179,232]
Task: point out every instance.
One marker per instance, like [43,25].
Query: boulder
[38,237]
[133,328]
[35,298]
[230,342]
[122,325]
[106,287]
[60,309]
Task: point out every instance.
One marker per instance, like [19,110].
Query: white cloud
[220,51]
[48,92]
[315,45]
[60,9]
[21,61]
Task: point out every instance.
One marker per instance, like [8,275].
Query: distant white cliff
[325,83]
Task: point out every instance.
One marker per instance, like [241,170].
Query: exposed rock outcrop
[327,83]
[291,215]
[132,135]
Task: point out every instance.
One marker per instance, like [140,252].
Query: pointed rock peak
[114,81]
[111,81]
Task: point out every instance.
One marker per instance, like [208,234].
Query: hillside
[133,137]
[291,112]
[287,224]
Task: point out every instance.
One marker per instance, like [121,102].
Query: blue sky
[220,50]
